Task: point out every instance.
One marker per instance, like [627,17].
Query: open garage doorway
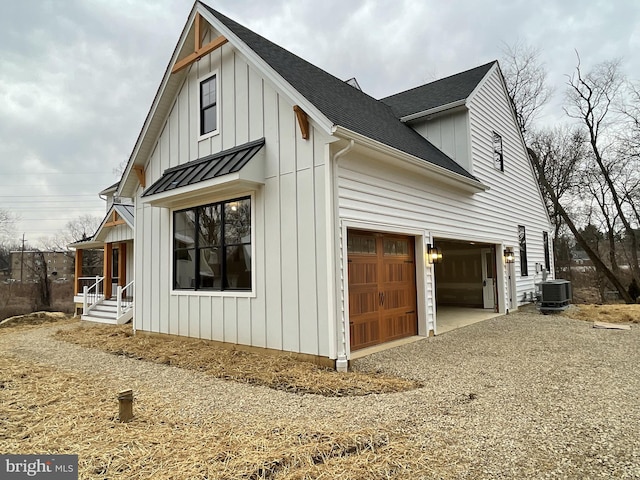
[466,284]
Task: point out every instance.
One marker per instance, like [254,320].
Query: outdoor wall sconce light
[509,257]
[434,254]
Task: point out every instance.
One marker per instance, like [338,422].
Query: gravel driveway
[518,396]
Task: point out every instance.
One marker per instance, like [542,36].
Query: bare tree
[7,223]
[592,253]
[592,100]
[526,79]
[561,152]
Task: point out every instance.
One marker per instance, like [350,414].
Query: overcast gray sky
[77,77]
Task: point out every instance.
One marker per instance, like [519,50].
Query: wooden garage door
[382,288]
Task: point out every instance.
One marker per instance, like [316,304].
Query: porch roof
[206,168]
[125,212]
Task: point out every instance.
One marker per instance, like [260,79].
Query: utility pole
[22,260]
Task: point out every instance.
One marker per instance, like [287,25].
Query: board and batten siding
[450,133]
[514,193]
[287,308]
[119,233]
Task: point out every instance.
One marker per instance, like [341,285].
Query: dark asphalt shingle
[434,94]
[341,103]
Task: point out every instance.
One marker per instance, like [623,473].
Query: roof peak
[447,90]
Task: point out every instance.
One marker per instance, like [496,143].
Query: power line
[58,173]
[50,195]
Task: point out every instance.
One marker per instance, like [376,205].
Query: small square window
[208,106]
[498,158]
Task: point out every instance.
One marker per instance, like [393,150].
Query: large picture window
[208,106]
[212,246]
[522,239]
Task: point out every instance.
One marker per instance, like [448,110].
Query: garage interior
[466,287]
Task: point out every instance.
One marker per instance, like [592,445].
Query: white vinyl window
[498,157]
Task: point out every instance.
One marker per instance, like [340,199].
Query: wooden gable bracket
[303,121]
[114,220]
[139,169]
[199,50]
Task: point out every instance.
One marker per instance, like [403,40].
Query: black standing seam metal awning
[206,168]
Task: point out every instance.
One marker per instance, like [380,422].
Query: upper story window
[547,258]
[212,246]
[522,239]
[498,158]
[208,105]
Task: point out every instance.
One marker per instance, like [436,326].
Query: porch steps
[106,312]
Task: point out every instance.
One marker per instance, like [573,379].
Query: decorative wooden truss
[199,49]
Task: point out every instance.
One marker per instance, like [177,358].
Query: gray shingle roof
[206,168]
[441,92]
[342,104]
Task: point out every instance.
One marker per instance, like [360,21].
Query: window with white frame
[498,158]
[547,257]
[208,105]
[522,239]
[212,246]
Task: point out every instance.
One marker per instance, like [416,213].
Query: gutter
[429,169]
[434,110]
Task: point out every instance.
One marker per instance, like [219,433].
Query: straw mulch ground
[36,318]
[615,313]
[51,410]
[519,396]
[280,372]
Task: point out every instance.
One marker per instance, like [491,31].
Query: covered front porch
[103,288]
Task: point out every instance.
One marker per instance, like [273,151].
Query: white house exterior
[279,207]
[107,298]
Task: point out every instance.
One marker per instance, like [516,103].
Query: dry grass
[280,372]
[46,410]
[605,313]
[35,318]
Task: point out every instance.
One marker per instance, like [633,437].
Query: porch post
[77,272]
[122,264]
[108,258]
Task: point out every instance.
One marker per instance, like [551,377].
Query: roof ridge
[449,77]
[219,14]
[340,103]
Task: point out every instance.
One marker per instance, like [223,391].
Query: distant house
[113,241]
[25,266]
[280,207]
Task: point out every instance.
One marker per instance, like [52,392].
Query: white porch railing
[124,303]
[92,295]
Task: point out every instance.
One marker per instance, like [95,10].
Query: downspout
[342,363]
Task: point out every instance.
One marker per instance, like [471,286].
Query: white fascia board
[154,105]
[86,245]
[274,77]
[429,169]
[434,110]
[481,83]
[99,232]
[230,182]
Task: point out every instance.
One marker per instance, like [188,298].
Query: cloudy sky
[77,77]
